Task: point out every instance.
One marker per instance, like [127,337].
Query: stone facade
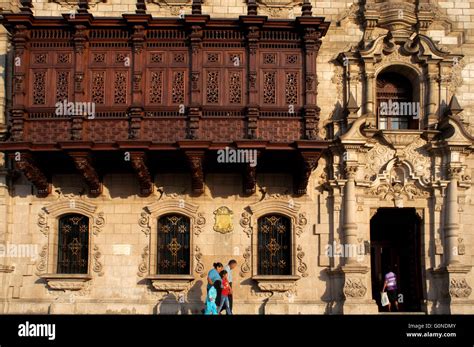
[365,169]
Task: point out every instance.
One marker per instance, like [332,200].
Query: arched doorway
[395,242]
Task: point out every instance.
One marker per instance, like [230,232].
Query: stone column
[433,89]
[370,100]
[349,214]
[451,224]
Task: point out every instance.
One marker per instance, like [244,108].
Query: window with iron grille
[73,244]
[173,245]
[274,245]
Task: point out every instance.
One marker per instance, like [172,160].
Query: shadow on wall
[192,303]
[438,295]
[332,305]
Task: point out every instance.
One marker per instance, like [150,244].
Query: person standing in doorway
[229,267]
[391,285]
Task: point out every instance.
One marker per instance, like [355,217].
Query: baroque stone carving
[301,223]
[144,222]
[199,224]
[377,157]
[199,268]
[245,268]
[354,288]
[223,220]
[143,266]
[302,267]
[397,191]
[43,223]
[245,223]
[458,288]
[99,222]
[42,261]
[97,265]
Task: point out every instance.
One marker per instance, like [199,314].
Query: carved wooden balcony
[161,84]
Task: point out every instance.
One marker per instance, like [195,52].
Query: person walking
[226,290]
[229,267]
[390,284]
[213,274]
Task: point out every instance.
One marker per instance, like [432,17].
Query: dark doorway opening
[395,242]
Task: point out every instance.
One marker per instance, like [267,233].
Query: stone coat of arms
[223,220]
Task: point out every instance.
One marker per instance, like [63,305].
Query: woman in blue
[213,275]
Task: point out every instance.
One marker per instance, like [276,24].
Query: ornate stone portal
[399,168]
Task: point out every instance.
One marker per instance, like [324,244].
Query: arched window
[274,245]
[173,245]
[73,244]
[396,106]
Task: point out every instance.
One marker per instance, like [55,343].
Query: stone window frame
[149,223]
[48,222]
[249,221]
[433,70]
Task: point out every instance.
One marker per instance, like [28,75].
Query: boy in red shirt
[226,290]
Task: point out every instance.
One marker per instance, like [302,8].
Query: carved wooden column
[253,36]
[311,45]
[83,163]
[136,110]
[81,44]
[138,161]
[20,67]
[25,162]
[195,161]
[196,23]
